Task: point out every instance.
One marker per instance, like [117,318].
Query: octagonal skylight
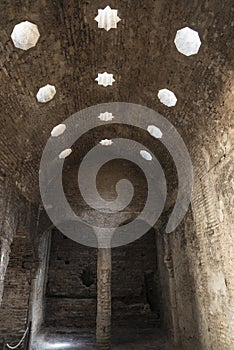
[105,117]
[106,142]
[25,35]
[46,93]
[187,41]
[146,155]
[105,79]
[64,154]
[107,18]
[58,130]
[167,97]
[154,131]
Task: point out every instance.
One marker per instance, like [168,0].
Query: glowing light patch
[146,155]
[106,142]
[187,41]
[58,345]
[167,97]
[154,131]
[105,117]
[105,79]
[25,35]
[107,18]
[46,93]
[64,154]
[2,258]
[58,130]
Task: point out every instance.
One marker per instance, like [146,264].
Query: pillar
[103,322]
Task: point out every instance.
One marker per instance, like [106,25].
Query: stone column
[172,290]
[39,281]
[103,322]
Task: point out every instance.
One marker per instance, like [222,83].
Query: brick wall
[71,289]
[17,285]
[202,255]
[17,228]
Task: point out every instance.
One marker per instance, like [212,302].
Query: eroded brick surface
[195,263]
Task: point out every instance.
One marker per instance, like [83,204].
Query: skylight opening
[64,154]
[46,93]
[25,35]
[187,41]
[58,130]
[106,142]
[106,117]
[167,97]
[155,131]
[146,155]
[107,18]
[105,79]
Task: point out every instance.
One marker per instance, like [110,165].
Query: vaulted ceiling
[142,56]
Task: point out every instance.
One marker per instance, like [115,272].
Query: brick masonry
[195,263]
[72,282]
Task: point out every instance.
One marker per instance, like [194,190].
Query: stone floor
[123,339]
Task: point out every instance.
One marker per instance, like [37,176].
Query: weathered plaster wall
[202,253]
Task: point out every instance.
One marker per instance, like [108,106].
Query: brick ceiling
[141,54]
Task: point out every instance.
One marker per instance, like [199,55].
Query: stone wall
[202,254]
[71,289]
[18,220]
[213,217]
[17,287]
[9,217]
[196,262]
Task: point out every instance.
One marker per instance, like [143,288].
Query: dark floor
[123,339]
